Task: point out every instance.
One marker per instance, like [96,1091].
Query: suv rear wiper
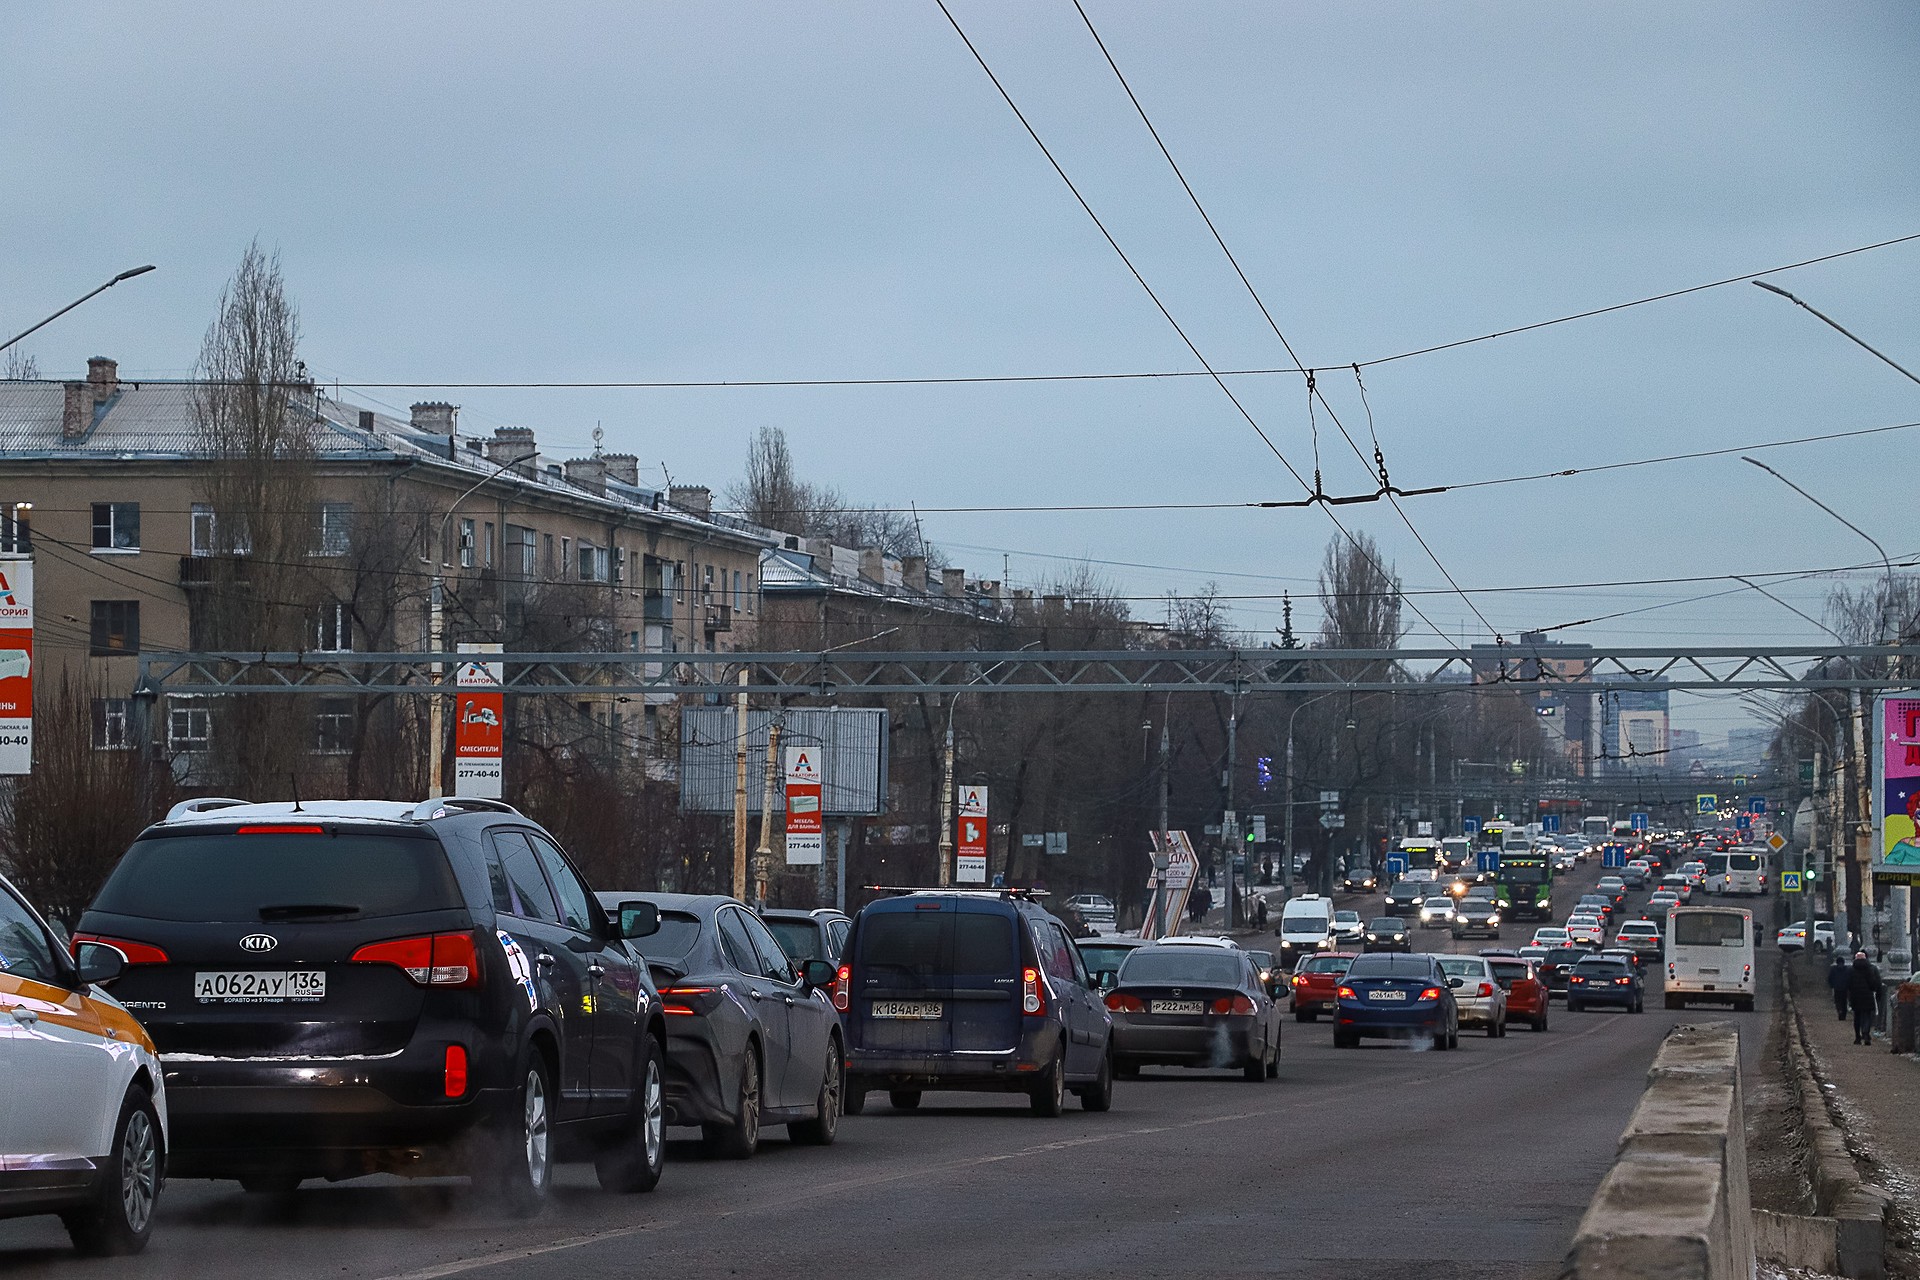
[292,910]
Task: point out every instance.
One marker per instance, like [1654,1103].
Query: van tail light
[1033,993]
[1431,993]
[1346,993]
[1486,989]
[687,1001]
[132,952]
[1669,971]
[455,1075]
[843,987]
[1121,1002]
[431,960]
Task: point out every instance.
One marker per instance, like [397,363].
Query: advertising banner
[1896,789]
[970,853]
[805,835]
[16,665]
[1168,890]
[479,725]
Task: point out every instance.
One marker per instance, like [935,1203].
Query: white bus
[1737,871]
[1709,956]
[1595,827]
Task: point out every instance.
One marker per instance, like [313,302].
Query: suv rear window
[970,943]
[280,876]
[800,939]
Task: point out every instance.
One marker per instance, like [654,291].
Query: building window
[115,627]
[518,558]
[333,727]
[749,595]
[333,628]
[333,529]
[736,591]
[112,724]
[593,563]
[189,724]
[466,543]
[16,527]
[202,532]
[547,552]
[116,526]
[486,547]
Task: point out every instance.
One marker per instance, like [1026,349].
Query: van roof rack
[201,804]
[1003,892]
[441,806]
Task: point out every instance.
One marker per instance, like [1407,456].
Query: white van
[1709,954]
[1306,927]
[1737,871]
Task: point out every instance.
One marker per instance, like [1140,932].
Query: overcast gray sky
[512,192]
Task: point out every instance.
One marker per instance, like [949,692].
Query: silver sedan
[1477,990]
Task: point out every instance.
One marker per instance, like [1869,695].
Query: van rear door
[937,975]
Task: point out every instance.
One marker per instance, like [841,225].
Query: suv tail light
[1033,994]
[1120,1002]
[843,987]
[1233,1004]
[432,960]
[132,952]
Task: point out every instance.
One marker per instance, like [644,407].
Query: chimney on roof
[913,573]
[366,419]
[623,467]
[953,583]
[873,565]
[103,375]
[1023,602]
[696,498]
[434,417]
[76,414]
[588,473]
[509,443]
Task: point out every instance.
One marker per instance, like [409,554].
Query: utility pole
[1286,891]
[1166,756]
[763,855]
[740,789]
[946,802]
[1231,838]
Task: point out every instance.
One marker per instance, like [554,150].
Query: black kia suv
[340,987]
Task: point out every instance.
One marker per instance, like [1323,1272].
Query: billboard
[16,665]
[1896,788]
[805,832]
[479,725]
[853,759]
[970,855]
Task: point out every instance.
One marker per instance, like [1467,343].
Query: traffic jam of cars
[277,993]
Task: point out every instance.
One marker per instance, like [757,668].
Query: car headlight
[1493,919]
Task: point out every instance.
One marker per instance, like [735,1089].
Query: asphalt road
[1382,1161]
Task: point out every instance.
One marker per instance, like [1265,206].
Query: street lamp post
[1286,890]
[124,275]
[436,633]
[946,778]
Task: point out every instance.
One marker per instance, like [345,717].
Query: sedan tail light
[431,960]
[1120,1002]
[688,1001]
[1624,982]
[132,952]
[1486,989]
[1233,1004]
[1431,993]
[1346,993]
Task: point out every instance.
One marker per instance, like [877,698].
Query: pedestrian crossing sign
[1789,882]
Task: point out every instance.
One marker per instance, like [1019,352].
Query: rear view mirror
[100,964]
[1105,979]
[1456,982]
[638,919]
[817,973]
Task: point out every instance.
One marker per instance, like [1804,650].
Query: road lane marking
[460,1265]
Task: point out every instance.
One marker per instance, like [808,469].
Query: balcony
[719,617]
[207,571]
[656,606]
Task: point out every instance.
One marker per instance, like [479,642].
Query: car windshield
[276,875]
[1346,917]
[800,939]
[1379,966]
[1303,924]
[1440,901]
[1384,924]
[1203,966]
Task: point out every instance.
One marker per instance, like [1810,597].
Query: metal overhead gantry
[1028,671]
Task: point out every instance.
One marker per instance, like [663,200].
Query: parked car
[1387,933]
[1399,997]
[1182,1006]
[349,986]
[1526,994]
[980,991]
[1792,938]
[1602,980]
[1476,915]
[1481,999]
[1316,981]
[83,1128]
[752,1040]
[819,934]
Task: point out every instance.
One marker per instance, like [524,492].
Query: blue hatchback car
[974,991]
[1395,996]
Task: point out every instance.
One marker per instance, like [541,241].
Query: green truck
[1524,889]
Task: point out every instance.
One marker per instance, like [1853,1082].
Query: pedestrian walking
[1839,976]
[1863,993]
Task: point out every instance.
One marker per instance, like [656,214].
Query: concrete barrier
[1675,1204]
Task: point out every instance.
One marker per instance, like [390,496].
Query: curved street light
[124,275]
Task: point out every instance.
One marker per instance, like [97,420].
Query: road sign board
[1396,866]
[1550,825]
[1790,882]
[1489,860]
[1613,856]
[1470,825]
[1333,821]
[1706,804]
[1259,828]
[1640,821]
[1743,822]
[1776,842]
[1756,804]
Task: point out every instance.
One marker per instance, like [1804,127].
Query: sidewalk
[1872,1090]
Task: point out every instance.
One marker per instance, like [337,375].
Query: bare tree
[1199,621]
[19,365]
[772,494]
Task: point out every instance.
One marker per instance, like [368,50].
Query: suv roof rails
[201,804]
[441,806]
[1009,892]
